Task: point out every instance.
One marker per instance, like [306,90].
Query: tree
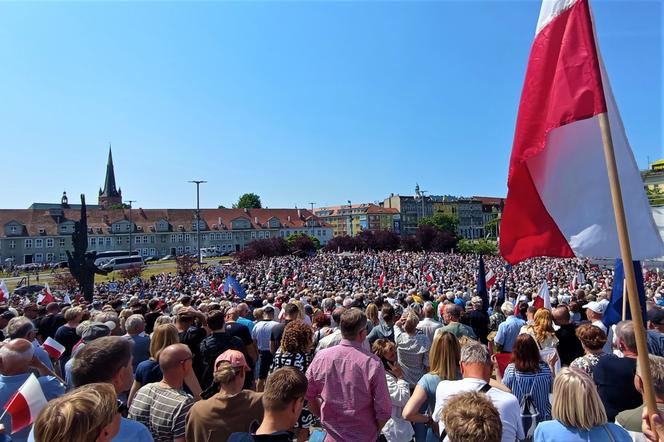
[441,221]
[185,264]
[478,246]
[131,272]
[248,201]
[302,244]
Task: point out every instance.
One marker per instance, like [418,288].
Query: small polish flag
[381,280]
[26,404]
[490,278]
[53,348]
[4,291]
[543,299]
[47,297]
[429,277]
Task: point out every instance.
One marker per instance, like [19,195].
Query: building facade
[352,219]
[653,181]
[478,216]
[411,209]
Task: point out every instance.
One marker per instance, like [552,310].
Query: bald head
[173,356]
[232,314]
[16,356]
[560,315]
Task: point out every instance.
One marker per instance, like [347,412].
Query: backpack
[529,414]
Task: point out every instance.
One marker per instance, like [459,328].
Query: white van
[123,263]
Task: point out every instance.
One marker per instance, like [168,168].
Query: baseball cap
[597,307]
[235,357]
[656,316]
[96,330]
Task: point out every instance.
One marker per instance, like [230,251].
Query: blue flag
[502,295]
[613,313]
[481,285]
[231,285]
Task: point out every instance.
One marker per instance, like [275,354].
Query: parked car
[167,258]
[123,263]
[150,259]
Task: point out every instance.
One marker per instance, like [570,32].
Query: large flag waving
[613,313]
[4,291]
[543,299]
[558,200]
[231,285]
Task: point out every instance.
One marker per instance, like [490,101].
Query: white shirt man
[476,368]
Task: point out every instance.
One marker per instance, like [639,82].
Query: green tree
[248,201]
[477,246]
[442,221]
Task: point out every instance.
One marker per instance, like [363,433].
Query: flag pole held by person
[562,126]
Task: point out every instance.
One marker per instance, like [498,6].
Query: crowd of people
[390,346]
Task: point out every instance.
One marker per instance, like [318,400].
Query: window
[187,237]
[253,235]
[61,242]
[153,251]
[145,252]
[62,256]
[49,242]
[187,249]
[261,234]
[39,243]
[180,237]
[28,243]
[50,257]
[118,240]
[163,238]
[13,229]
[39,257]
[152,239]
[137,240]
[180,250]
[267,234]
[12,244]
[92,241]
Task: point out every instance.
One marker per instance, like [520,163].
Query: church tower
[110,194]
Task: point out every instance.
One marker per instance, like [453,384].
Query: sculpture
[81,264]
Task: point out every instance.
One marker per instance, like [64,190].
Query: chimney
[299,213]
[288,217]
[246,210]
[255,220]
[219,221]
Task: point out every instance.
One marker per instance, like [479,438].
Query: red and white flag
[429,277]
[53,348]
[543,299]
[47,297]
[26,404]
[381,280]
[4,291]
[558,200]
[490,278]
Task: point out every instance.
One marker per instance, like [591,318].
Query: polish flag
[558,200]
[53,348]
[4,291]
[429,277]
[47,297]
[543,299]
[26,404]
[381,280]
[490,278]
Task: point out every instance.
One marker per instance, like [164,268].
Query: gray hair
[134,324]
[475,353]
[507,308]
[19,327]
[625,331]
[24,357]
[657,371]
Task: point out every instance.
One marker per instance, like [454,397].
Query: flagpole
[624,301]
[626,255]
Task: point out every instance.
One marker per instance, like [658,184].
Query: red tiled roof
[343,209]
[489,199]
[34,220]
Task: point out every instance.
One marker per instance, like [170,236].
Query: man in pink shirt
[347,386]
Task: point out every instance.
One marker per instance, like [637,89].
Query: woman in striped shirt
[527,373]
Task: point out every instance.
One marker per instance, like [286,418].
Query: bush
[478,246]
[185,264]
[302,244]
[131,272]
[65,281]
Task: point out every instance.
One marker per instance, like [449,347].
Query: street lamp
[350,218]
[131,224]
[198,218]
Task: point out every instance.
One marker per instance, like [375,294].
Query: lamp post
[350,219]
[131,225]
[198,218]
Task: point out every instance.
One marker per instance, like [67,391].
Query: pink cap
[236,358]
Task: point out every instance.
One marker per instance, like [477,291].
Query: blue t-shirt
[148,372]
[140,349]
[554,431]
[9,385]
[429,382]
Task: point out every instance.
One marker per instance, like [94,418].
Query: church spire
[109,195]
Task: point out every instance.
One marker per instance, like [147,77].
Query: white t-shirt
[506,403]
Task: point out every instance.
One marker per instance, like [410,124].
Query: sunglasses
[122,408]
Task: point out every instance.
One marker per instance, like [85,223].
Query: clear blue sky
[296,101]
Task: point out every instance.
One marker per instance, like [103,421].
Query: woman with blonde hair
[148,371]
[444,359]
[542,330]
[578,413]
[412,348]
[88,414]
